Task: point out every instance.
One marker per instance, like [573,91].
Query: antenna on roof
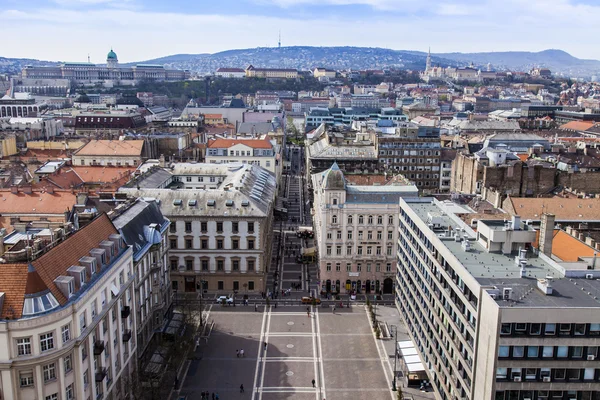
[279,42]
[88,57]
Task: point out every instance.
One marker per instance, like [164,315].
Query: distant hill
[307,57]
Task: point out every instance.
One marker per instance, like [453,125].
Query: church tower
[428,62]
[111,59]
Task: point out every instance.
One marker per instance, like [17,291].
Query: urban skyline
[188,28]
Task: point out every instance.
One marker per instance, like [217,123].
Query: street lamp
[395,329]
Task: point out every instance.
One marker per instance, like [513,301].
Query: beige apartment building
[356,231]
[221,223]
[67,316]
[281,73]
[491,316]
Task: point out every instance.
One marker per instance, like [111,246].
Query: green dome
[111,55]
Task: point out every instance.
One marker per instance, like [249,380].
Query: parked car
[228,300]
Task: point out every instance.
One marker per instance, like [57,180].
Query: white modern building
[67,316]
[221,223]
[491,317]
[356,231]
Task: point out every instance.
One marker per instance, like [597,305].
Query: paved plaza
[337,350]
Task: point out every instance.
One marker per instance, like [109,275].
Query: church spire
[428,62]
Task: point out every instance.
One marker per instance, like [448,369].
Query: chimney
[590,241]
[547,233]
[161,161]
[27,189]
[516,222]
[50,189]
[14,189]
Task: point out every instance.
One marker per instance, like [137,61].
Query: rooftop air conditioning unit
[589,276]
[591,357]
[506,292]
[546,379]
[517,379]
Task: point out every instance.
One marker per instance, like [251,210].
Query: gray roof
[136,226]
[256,128]
[323,149]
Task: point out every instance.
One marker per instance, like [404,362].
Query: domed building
[111,59]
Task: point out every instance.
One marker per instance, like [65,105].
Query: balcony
[126,335]
[98,347]
[125,311]
[100,374]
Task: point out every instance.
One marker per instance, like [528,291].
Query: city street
[338,350]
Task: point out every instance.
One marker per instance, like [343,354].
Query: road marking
[321,368]
[262,327]
[264,337]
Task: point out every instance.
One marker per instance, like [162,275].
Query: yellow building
[8,146]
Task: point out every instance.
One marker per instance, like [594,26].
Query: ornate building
[87,72]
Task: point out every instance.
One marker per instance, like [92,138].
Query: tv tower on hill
[279,42]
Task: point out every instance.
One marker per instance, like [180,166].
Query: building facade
[110,153]
[356,228]
[221,223]
[68,317]
[490,318]
[86,72]
[252,72]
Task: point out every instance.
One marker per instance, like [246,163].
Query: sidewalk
[391,316]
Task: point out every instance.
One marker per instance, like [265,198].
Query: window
[328,250]
[24,346]
[68,363]
[520,327]
[235,265]
[349,234]
[250,285]
[338,250]
[69,392]
[26,378]
[235,227]
[390,235]
[348,267]
[204,264]
[358,267]
[369,235]
[219,243]
[588,374]
[370,220]
[533,351]
[562,351]
[559,373]
[359,250]
[577,352]
[250,227]
[388,268]
[66,333]
[379,235]
[518,351]
[369,250]
[219,265]
[377,267]
[349,219]
[579,329]
[328,267]
[594,329]
[334,219]
[172,228]
[188,243]
[329,235]
[548,351]
[565,329]
[573,374]
[503,351]
[204,244]
[86,379]
[46,341]
[361,219]
[505,329]
[52,397]
[49,372]
[379,219]
[360,235]
[250,243]
[338,267]
[334,202]
[390,219]
[173,243]
[368,267]
[535,329]
[219,227]
[188,226]
[203,226]
[388,251]
[250,265]
[83,352]
[550,329]
[235,244]
[339,234]
[530,374]
[501,373]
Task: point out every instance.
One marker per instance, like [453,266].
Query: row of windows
[338,267]
[219,264]
[235,226]
[546,374]
[48,372]
[46,341]
[547,352]
[361,218]
[549,329]
[219,243]
[359,250]
[350,235]
[546,395]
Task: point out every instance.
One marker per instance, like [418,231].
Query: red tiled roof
[13,281]
[577,125]
[227,143]
[213,116]
[37,202]
[100,174]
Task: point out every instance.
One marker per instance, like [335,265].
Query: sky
[138,30]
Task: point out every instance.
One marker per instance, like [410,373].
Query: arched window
[379,219]
[390,219]
[361,219]
[370,220]
[334,219]
[349,219]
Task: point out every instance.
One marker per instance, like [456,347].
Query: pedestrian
[237,353]
[308,311]
[217,396]
[334,308]
[213,396]
[242,388]
[242,353]
[256,307]
[265,346]
[313,382]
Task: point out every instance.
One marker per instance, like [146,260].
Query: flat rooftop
[501,271]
